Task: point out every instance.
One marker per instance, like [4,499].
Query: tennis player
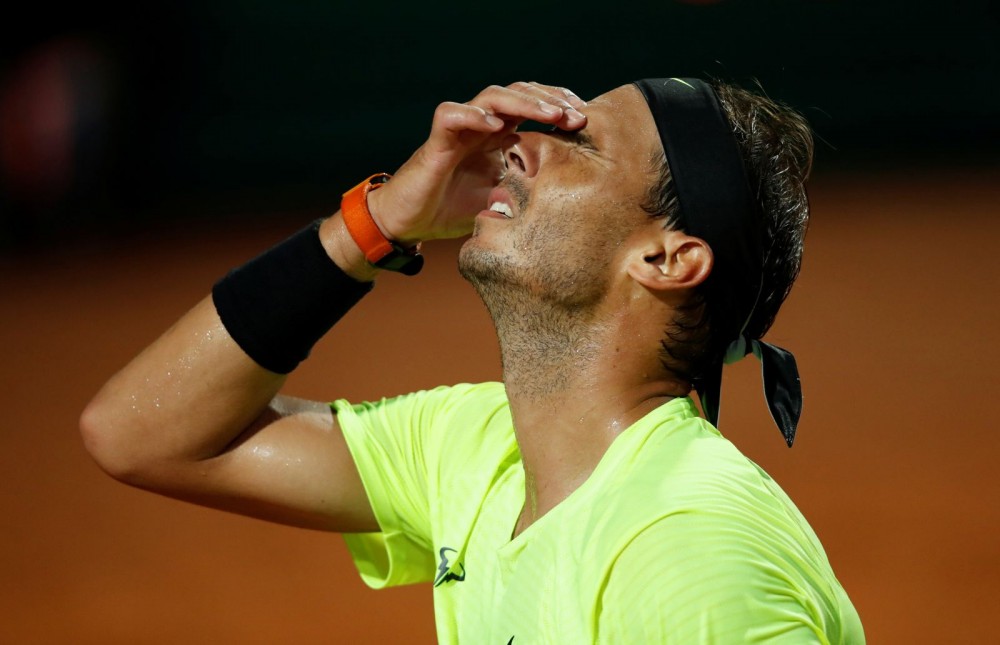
[625,256]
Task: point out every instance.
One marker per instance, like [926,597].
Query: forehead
[622,126]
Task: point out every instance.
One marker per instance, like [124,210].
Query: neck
[575,380]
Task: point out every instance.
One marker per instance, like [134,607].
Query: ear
[670,260]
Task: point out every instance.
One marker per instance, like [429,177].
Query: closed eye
[576,137]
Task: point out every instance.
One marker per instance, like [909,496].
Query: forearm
[185,397]
[197,415]
[192,392]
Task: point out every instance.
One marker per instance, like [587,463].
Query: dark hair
[777,148]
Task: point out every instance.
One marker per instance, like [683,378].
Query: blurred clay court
[140,164]
[895,464]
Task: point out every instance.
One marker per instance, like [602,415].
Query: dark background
[145,151]
[116,118]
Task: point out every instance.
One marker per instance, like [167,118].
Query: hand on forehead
[620,123]
[523,101]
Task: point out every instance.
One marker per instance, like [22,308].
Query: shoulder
[452,424]
[689,579]
[714,552]
[684,466]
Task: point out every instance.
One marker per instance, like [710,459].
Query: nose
[522,151]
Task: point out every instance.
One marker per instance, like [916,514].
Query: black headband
[716,205]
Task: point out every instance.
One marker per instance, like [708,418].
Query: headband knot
[717,205]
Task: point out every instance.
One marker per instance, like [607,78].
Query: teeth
[503,209]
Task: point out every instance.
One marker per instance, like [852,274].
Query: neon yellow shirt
[676,537]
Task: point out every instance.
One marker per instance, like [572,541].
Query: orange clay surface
[894,323]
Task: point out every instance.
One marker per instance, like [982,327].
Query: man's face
[573,197]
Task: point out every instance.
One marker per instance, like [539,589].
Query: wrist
[379,249]
[377,207]
[344,251]
[278,305]
[382,202]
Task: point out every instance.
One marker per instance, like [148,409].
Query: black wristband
[278,305]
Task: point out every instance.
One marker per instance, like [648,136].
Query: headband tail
[710,395]
[782,387]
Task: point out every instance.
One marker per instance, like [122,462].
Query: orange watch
[379,250]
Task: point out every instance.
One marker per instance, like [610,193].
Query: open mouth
[500,203]
[502,208]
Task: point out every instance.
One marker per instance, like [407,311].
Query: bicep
[291,466]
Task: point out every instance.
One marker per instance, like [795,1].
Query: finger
[563,93]
[458,117]
[515,106]
[457,129]
[572,118]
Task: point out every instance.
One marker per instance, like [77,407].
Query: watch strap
[378,250]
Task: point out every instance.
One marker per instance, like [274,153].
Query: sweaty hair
[777,147]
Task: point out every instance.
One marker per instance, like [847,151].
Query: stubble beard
[542,295]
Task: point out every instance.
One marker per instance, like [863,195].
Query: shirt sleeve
[395,444]
[690,579]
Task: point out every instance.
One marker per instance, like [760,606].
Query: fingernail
[575,114]
[493,121]
[572,94]
[549,109]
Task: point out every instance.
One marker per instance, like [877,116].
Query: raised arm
[195,417]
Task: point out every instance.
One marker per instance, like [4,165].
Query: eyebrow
[579,137]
